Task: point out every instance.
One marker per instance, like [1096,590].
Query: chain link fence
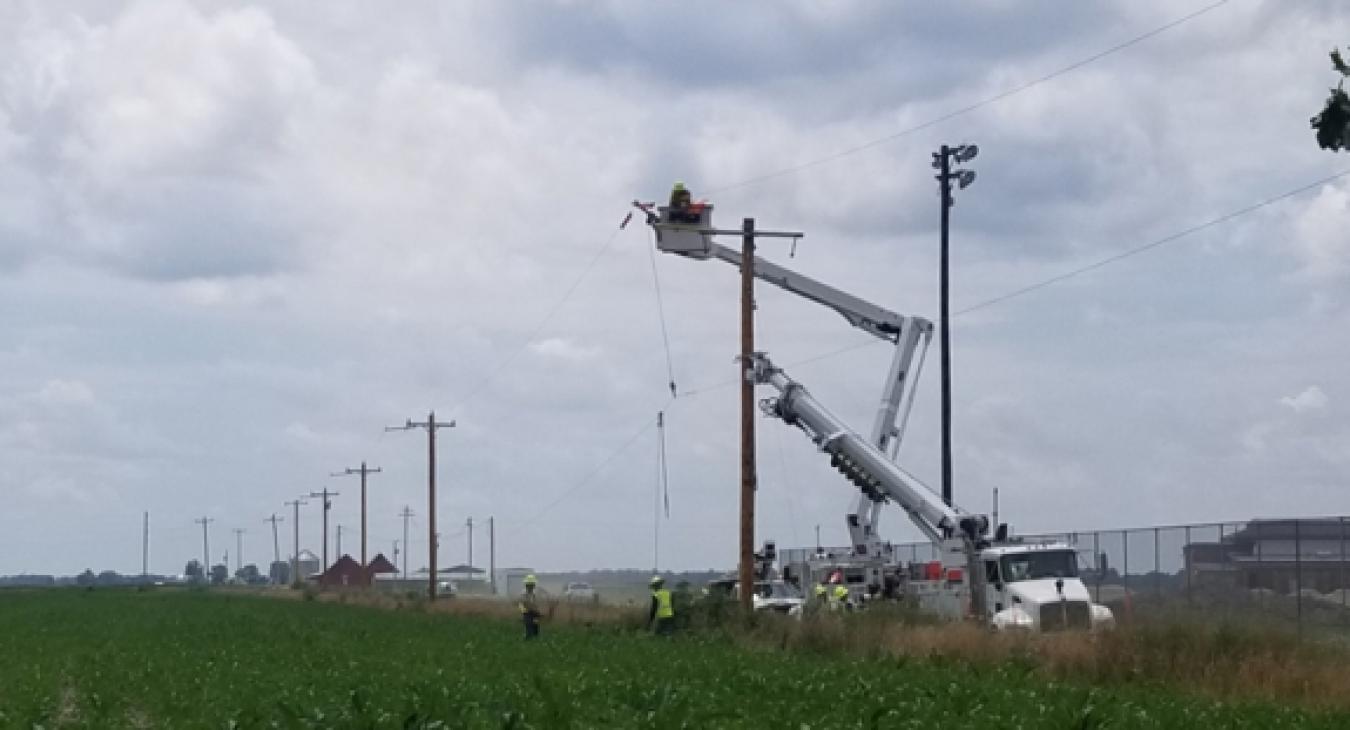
[1294,571]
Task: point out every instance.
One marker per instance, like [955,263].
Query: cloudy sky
[237,240]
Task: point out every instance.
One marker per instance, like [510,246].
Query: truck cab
[1036,587]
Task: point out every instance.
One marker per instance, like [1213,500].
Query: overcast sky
[237,240]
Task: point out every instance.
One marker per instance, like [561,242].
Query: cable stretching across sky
[972,107]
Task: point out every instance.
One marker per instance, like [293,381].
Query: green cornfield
[190,659]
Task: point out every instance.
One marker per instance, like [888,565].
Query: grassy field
[113,659]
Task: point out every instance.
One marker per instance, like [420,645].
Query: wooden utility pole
[748,477]
[276,545]
[431,425]
[327,505]
[469,524]
[339,542]
[405,514]
[145,547]
[363,471]
[295,523]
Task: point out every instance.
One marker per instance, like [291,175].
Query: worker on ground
[662,614]
[822,594]
[682,207]
[529,607]
[839,598]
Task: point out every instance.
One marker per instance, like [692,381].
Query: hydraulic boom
[910,335]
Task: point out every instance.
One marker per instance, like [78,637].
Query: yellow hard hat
[679,185]
[531,580]
[656,580]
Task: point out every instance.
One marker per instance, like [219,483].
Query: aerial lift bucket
[685,238]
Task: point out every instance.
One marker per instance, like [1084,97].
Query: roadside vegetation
[122,658]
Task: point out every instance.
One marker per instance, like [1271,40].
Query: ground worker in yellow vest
[529,607]
[839,598]
[662,614]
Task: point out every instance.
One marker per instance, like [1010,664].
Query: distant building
[380,565]
[346,572]
[1278,555]
[309,565]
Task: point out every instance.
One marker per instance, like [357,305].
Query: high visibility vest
[528,603]
[664,607]
[840,594]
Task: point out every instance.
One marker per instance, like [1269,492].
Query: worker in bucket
[682,207]
[661,617]
[529,607]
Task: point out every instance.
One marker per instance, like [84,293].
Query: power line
[1171,238]
[553,311]
[647,424]
[974,106]
[661,314]
[1152,244]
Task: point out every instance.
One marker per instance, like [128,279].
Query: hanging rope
[665,472]
[661,313]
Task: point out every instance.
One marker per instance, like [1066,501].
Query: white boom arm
[906,332]
[863,463]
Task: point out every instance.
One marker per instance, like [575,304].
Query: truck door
[993,586]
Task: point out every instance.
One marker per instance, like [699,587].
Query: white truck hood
[1043,590]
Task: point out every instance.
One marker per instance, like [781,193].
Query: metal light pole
[942,162]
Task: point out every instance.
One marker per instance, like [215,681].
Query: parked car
[579,592]
[770,595]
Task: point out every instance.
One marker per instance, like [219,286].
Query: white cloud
[564,349]
[1310,399]
[1321,240]
[65,392]
[264,232]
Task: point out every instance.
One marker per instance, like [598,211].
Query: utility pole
[276,544]
[942,162]
[995,508]
[492,556]
[339,542]
[327,505]
[238,549]
[431,425]
[469,524]
[395,553]
[295,523]
[748,476]
[206,546]
[363,471]
[818,546]
[145,547]
[406,514]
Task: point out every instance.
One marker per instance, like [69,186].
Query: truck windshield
[1040,564]
[774,590]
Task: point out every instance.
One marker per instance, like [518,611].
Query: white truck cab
[1036,587]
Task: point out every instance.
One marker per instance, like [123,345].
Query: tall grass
[1223,658]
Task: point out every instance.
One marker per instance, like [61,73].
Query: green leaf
[1339,63]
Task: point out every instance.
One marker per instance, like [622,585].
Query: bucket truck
[1007,583]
